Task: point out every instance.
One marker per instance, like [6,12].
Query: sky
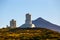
[17,9]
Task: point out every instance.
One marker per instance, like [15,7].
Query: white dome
[32,26]
[27,26]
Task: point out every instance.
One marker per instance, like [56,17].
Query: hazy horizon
[17,9]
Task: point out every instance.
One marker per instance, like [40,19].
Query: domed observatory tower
[28,22]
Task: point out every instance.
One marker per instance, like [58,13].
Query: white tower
[13,23]
[28,19]
[28,22]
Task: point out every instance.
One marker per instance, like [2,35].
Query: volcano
[42,23]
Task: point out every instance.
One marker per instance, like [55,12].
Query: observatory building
[28,22]
[12,23]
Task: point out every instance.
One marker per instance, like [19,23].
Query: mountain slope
[40,22]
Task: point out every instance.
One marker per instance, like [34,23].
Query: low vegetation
[28,34]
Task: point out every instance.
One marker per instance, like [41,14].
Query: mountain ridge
[40,22]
